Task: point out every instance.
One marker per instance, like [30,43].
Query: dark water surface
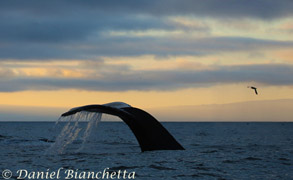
[213,151]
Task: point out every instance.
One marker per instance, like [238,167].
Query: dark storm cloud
[276,74]
[136,46]
[21,27]
[226,8]
[62,29]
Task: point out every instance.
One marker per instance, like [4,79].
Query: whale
[149,132]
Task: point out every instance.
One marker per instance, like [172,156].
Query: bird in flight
[254,88]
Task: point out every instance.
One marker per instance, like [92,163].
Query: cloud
[135,46]
[226,8]
[93,30]
[78,29]
[6,73]
[269,74]
[66,21]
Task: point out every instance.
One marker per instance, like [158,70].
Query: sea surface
[214,150]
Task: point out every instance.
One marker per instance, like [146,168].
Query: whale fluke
[149,132]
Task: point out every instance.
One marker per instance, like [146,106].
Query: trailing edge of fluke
[149,132]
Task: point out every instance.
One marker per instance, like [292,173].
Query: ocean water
[213,151]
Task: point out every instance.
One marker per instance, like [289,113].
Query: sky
[151,54]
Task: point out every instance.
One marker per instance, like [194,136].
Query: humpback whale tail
[149,132]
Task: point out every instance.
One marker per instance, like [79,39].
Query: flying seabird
[251,87]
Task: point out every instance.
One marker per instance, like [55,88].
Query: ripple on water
[231,161]
[253,159]
[124,167]
[208,152]
[160,167]
[284,159]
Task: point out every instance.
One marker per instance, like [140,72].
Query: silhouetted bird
[254,89]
